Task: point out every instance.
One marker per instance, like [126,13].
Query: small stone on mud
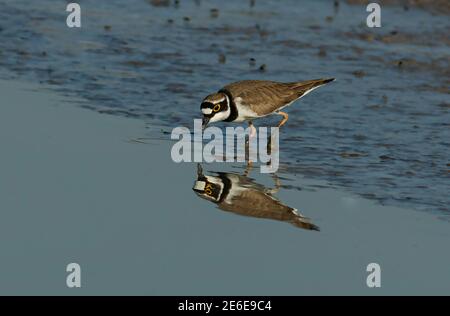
[351,154]
[359,73]
[160,3]
[322,52]
[214,13]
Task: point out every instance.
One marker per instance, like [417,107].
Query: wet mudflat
[381,130]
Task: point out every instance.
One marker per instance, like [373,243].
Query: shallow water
[74,188]
[382,130]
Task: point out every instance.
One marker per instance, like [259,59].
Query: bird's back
[265,97]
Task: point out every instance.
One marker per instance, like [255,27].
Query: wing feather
[265,97]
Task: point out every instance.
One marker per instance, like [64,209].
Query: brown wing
[258,204]
[265,97]
[303,87]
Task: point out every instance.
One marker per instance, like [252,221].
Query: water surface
[382,130]
[74,188]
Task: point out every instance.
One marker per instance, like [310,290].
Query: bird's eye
[216,108]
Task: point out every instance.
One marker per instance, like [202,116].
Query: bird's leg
[250,136]
[252,128]
[277,186]
[285,118]
[248,168]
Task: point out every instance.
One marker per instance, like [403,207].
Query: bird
[252,99]
[239,194]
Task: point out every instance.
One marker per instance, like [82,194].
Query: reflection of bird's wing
[303,222]
[250,202]
[255,203]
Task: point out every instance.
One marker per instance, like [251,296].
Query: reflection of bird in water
[241,195]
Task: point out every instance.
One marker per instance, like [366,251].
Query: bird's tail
[304,87]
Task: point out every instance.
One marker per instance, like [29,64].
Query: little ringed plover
[251,99]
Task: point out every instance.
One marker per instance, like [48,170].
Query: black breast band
[233,108]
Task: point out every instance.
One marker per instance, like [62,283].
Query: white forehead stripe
[207,111]
[200,185]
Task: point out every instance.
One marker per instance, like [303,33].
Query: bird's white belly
[244,112]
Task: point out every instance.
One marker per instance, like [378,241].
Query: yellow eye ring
[216,108]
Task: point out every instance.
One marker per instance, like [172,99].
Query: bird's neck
[233,110]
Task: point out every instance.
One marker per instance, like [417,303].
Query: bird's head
[215,107]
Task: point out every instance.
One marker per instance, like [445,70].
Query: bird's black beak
[205,121]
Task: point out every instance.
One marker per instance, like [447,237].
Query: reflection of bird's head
[211,188]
